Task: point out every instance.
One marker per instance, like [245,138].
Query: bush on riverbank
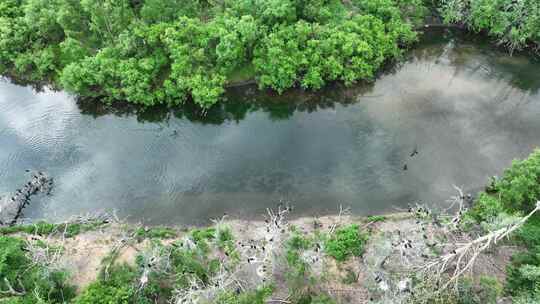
[346,242]
[23,281]
[156,51]
[516,194]
[515,23]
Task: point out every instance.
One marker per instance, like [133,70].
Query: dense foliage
[514,23]
[24,282]
[505,199]
[116,287]
[157,51]
[517,191]
[345,242]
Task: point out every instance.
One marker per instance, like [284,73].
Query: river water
[467,109]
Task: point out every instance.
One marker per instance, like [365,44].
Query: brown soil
[354,281]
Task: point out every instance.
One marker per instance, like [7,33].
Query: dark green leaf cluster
[345,242]
[118,285]
[515,23]
[517,191]
[523,275]
[25,282]
[164,52]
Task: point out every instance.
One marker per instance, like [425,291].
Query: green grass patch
[346,242]
[43,228]
[156,233]
[376,218]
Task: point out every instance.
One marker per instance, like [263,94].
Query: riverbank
[348,259]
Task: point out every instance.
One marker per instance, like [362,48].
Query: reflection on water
[467,108]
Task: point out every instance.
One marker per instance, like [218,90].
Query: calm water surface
[467,109]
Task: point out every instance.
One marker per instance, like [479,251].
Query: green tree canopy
[163,52]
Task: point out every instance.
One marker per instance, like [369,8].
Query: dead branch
[342,212]
[118,245]
[464,257]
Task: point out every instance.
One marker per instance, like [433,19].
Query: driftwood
[12,204]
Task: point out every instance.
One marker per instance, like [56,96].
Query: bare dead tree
[123,241]
[462,259]
[458,200]
[262,254]
[156,260]
[198,291]
[342,212]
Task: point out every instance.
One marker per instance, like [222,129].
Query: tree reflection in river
[466,107]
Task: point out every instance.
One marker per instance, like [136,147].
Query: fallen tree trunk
[12,204]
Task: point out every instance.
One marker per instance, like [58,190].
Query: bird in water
[405,167]
[414,152]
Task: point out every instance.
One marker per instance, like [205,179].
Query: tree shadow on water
[237,103]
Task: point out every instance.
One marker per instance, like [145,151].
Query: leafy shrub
[485,208]
[202,236]
[514,23]
[516,192]
[224,236]
[193,263]
[117,288]
[47,286]
[523,273]
[258,296]
[519,188]
[509,198]
[376,218]
[156,233]
[345,242]
[529,233]
[298,268]
[225,241]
